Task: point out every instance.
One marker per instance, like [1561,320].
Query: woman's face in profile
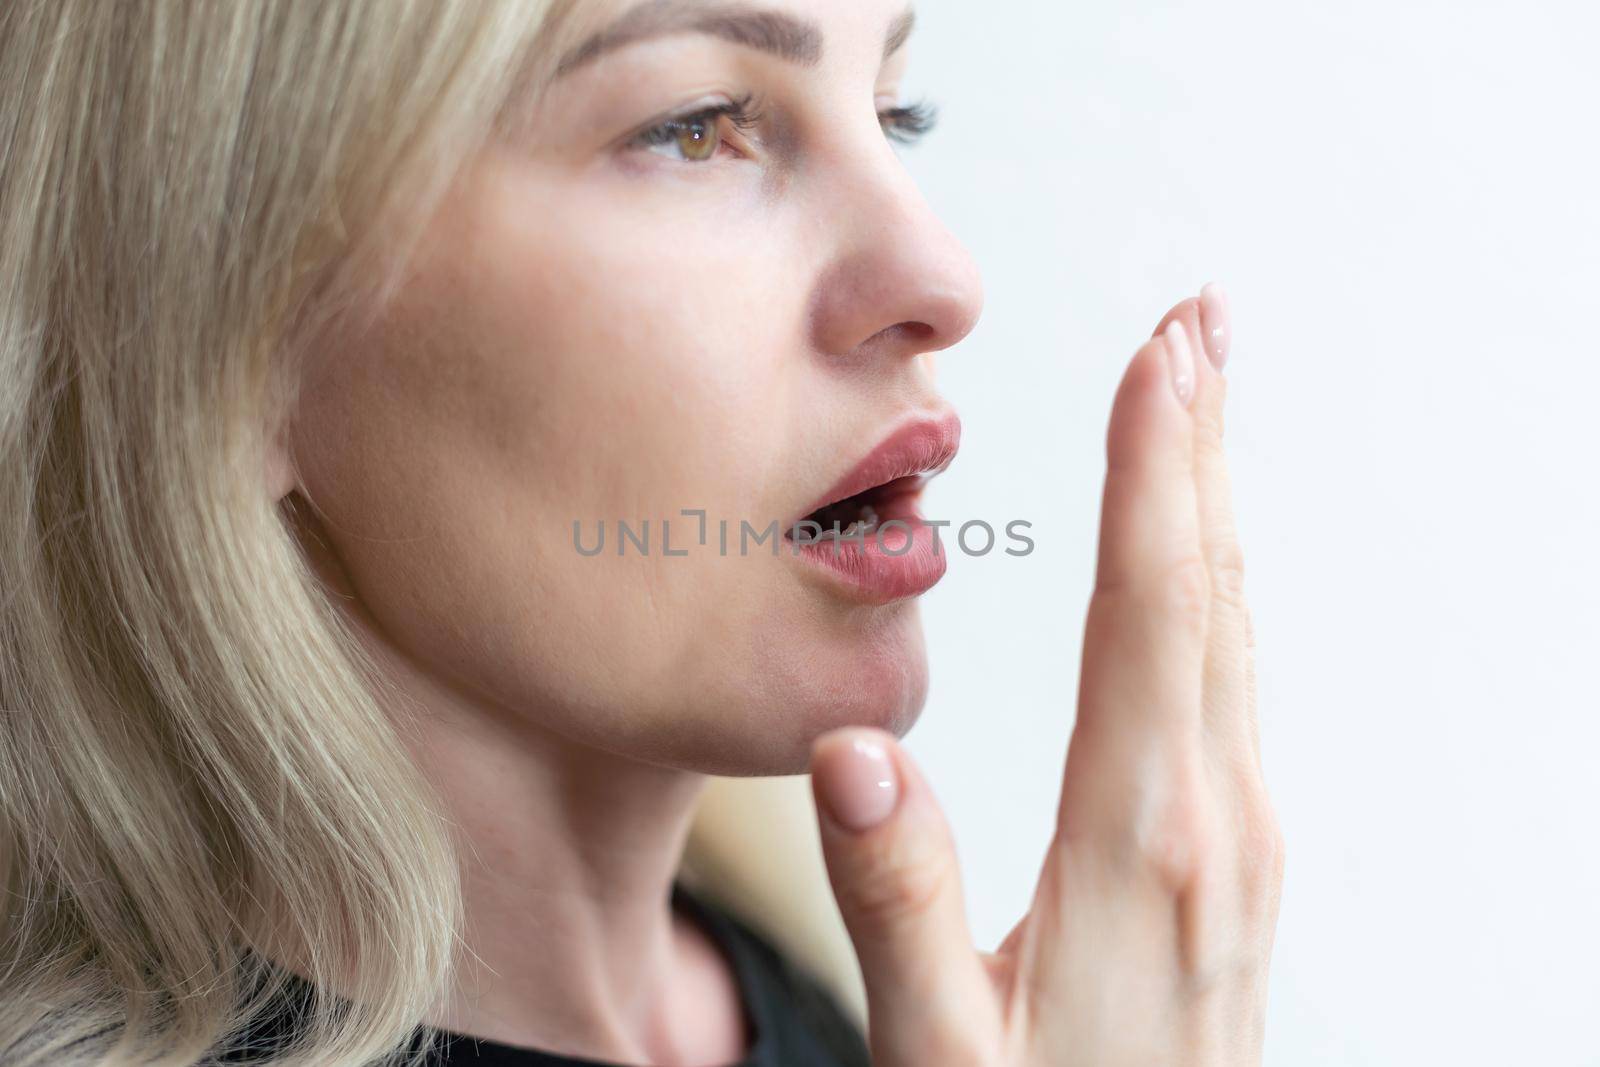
[700,280]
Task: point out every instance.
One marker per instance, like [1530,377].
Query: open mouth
[885,485]
[867,532]
[859,515]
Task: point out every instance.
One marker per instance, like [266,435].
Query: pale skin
[596,328]
[1151,927]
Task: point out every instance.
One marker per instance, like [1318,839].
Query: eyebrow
[777,33]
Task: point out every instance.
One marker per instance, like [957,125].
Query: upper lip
[923,444]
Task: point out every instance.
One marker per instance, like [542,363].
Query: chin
[759,714]
[879,680]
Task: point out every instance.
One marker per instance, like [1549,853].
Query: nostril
[905,291]
[911,338]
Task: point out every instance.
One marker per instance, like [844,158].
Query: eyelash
[905,125]
[909,123]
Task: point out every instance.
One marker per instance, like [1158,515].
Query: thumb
[892,863]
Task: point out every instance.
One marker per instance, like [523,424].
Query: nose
[899,283]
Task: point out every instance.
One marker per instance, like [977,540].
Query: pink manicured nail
[1215,328]
[1180,358]
[858,784]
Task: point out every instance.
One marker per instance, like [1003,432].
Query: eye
[910,123]
[694,137]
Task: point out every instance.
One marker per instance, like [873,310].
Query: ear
[280,474]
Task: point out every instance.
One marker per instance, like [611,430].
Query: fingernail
[1180,358]
[1214,325]
[858,784]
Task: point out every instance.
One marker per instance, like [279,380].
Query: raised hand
[1148,938]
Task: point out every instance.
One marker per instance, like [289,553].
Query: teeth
[862,526]
[855,529]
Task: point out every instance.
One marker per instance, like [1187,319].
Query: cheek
[537,373]
[453,448]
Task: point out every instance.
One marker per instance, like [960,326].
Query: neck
[572,944]
[570,858]
[569,855]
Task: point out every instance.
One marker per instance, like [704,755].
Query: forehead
[795,32]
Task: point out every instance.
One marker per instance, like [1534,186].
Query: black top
[792,1019]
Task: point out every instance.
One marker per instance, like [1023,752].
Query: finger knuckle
[1182,594]
[1219,383]
[1177,594]
[1175,846]
[895,888]
[1227,571]
[1211,421]
[1261,850]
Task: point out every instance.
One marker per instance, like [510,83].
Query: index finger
[1144,640]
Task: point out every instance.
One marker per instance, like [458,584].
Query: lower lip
[906,560]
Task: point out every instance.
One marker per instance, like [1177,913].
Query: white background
[1401,198]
